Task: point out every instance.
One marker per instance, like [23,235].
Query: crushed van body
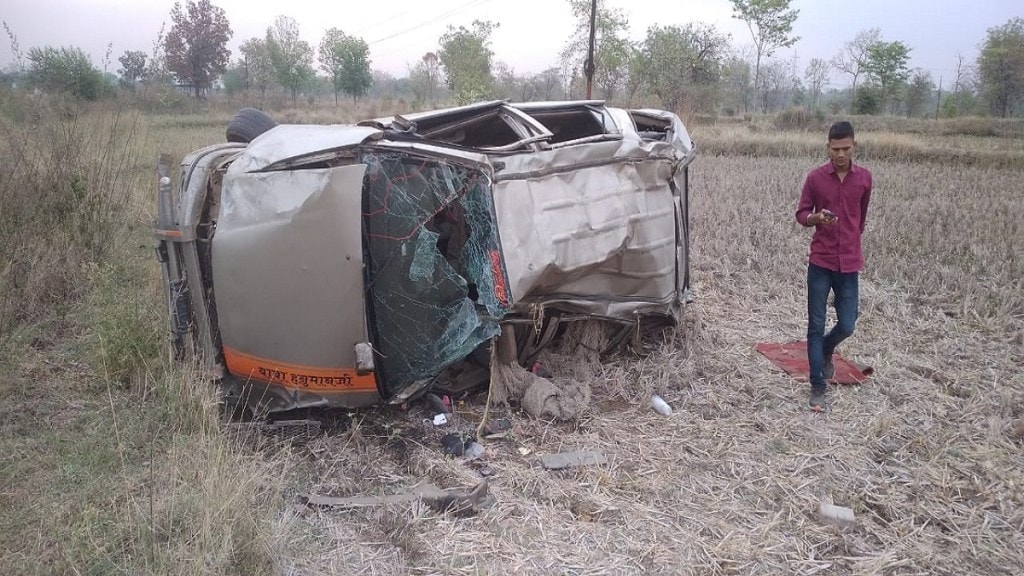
[348,265]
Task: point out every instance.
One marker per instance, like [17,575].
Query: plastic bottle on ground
[838,515]
[660,406]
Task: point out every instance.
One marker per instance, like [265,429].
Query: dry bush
[973,126]
[799,119]
[64,190]
[111,462]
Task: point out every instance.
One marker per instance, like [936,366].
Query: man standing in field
[835,202]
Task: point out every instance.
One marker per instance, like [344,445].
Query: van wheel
[247,124]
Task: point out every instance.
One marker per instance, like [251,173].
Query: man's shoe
[817,402]
[828,370]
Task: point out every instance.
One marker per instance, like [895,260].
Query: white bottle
[838,515]
[660,406]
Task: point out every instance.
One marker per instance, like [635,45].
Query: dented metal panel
[591,228]
[679,135]
[288,261]
[275,148]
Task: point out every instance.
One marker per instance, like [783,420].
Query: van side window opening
[573,124]
[651,128]
[487,130]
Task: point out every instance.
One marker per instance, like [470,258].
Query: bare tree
[854,55]
[425,78]
[776,84]
[962,83]
[816,76]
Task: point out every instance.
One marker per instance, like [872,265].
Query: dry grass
[955,150]
[927,453]
[130,474]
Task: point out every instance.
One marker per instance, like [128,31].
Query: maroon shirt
[837,246]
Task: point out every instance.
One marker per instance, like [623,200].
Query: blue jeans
[819,345]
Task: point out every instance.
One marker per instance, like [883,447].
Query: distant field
[954,150]
[112,459]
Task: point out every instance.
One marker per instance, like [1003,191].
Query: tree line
[692,67]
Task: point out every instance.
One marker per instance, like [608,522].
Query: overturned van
[347,265]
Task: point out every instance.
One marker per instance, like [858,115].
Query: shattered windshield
[435,277]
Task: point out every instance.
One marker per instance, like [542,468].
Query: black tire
[247,124]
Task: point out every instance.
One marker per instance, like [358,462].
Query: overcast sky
[531,32]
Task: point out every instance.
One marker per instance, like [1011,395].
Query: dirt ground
[927,453]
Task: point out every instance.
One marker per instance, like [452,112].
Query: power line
[401,49]
[393,16]
[471,4]
[364,29]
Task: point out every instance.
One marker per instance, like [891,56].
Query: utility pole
[588,66]
[938,103]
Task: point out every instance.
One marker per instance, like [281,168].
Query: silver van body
[346,265]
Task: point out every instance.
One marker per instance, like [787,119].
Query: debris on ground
[564,460]
[473,450]
[454,500]
[496,428]
[437,404]
[453,444]
[836,515]
[660,406]
[539,397]
[458,445]
[540,370]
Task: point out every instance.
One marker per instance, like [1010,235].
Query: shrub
[867,101]
[797,118]
[65,70]
[121,319]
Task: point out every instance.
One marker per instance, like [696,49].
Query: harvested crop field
[113,459]
[927,452]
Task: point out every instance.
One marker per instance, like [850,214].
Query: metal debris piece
[473,451]
[496,427]
[572,460]
[453,444]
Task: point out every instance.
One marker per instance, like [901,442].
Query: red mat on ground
[792,357]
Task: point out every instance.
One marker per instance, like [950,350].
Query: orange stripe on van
[297,377]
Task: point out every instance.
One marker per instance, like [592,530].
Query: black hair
[840,130]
